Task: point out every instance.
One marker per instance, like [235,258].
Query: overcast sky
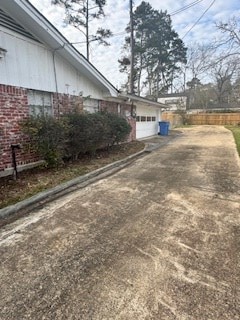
[105,59]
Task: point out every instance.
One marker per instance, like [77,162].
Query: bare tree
[231,29]
[224,73]
[200,56]
[230,40]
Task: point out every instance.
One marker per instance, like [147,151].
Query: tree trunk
[131,84]
[87,29]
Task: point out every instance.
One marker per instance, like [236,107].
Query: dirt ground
[158,240]
[38,179]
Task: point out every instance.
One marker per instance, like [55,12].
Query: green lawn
[236,133]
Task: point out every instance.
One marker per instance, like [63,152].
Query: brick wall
[108,106]
[132,135]
[65,103]
[14,108]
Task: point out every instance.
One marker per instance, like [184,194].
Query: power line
[171,14]
[211,4]
[185,7]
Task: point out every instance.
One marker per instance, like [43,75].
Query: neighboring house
[40,71]
[174,101]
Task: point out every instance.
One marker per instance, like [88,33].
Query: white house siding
[30,64]
[174,103]
[70,81]
[147,128]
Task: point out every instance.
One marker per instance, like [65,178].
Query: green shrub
[85,133]
[47,137]
[74,134]
[89,132]
[119,128]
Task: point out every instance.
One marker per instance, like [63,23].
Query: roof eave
[27,15]
[142,100]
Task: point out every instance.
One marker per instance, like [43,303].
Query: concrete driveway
[158,240]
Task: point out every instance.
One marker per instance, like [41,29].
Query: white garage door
[147,122]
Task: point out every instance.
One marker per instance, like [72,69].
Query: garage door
[147,122]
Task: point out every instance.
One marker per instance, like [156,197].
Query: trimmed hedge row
[74,134]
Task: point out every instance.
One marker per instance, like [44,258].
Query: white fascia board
[144,101]
[28,16]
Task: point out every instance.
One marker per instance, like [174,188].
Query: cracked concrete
[158,240]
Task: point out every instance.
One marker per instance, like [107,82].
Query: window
[145,118]
[39,102]
[91,105]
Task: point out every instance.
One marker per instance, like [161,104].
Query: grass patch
[31,182]
[236,133]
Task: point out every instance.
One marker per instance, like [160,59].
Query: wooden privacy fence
[214,118]
[175,119]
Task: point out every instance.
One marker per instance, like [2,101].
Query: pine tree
[80,14]
[158,50]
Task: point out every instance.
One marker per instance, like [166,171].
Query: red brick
[14,107]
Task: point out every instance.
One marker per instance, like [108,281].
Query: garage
[147,121]
[146,112]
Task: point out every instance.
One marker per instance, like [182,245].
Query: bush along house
[41,72]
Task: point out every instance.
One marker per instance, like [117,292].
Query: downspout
[56,84]
[55,77]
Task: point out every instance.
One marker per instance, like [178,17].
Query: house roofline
[172,95]
[133,97]
[54,39]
